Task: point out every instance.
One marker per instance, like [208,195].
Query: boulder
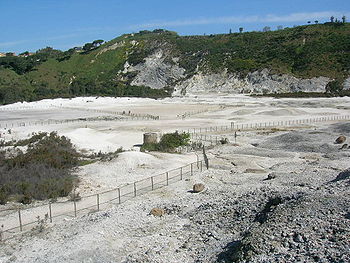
[340,139]
[198,188]
[157,212]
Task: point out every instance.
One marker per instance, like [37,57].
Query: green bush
[168,143]
[334,87]
[3,195]
[43,171]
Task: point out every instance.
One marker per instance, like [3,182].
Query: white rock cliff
[157,73]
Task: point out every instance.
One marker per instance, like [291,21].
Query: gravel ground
[278,197]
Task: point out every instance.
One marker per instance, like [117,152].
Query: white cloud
[270,18]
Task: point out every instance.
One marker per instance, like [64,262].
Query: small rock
[340,139]
[198,188]
[13,258]
[157,212]
[271,176]
[345,145]
[298,238]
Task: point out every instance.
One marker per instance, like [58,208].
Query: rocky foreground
[274,196]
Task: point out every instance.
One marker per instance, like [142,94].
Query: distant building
[10,54]
[78,49]
[25,54]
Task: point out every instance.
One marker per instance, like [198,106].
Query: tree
[309,22]
[230,31]
[97,43]
[24,54]
[334,86]
[279,27]
[344,19]
[266,29]
[332,19]
[316,22]
[88,46]
[240,29]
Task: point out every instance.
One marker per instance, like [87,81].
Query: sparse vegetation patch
[43,171]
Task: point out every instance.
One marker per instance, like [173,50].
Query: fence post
[191,168]
[201,165]
[180,173]
[98,202]
[152,183]
[1,233]
[75,207]
[135,190]
[167,178]
[20,219]
[50,212]
[119,199]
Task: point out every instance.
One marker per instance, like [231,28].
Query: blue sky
[62,24]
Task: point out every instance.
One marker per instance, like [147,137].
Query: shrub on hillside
[334,86]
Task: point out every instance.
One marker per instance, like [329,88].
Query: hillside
[161,63]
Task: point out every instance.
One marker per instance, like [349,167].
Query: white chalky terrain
[301,214]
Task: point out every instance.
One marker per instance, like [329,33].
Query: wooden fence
[14,221]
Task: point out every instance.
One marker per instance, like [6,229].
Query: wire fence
[79,120]
[19,220]
[210,136]
[117,116]
[124,113]
[260,125]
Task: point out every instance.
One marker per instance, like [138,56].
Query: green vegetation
[304,51]
[168,143]
[43,171]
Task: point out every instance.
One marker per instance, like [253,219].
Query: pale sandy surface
[198,112]
[127,233]
[202,227]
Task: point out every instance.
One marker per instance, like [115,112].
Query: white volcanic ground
[233,219]
[199,111]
